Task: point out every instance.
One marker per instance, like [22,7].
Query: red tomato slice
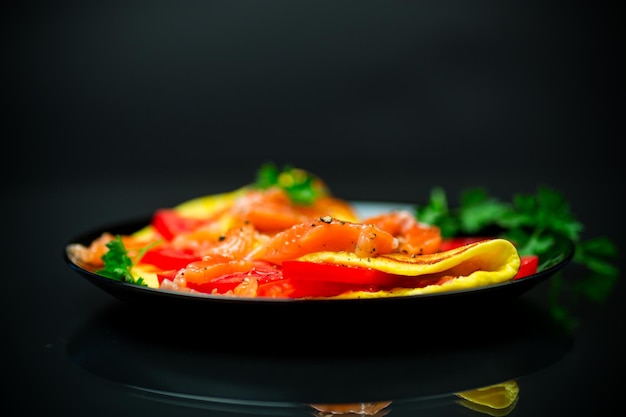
[169,223]
[528,266]
[313,271]
[295,288]
[167,258]
[162,275]
[318,279]
[263,272]
[279,288]
[219,285]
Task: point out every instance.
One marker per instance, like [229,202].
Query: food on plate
[287,236]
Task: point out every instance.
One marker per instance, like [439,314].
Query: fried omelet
[475,265]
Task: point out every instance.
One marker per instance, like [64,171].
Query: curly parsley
[117,263]
[301,186]
[532,221]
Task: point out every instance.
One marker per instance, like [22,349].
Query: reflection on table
[261,365]
[494,400]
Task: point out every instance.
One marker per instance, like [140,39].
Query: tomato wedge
[528,266]
[170,223]
[220,285]
[319,279]
[163,275]
[263,272]
[168,258]
[295,288]
[314,271]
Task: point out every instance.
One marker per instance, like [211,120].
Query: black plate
[352,310]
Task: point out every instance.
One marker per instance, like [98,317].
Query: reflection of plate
[262,363]
[560,255]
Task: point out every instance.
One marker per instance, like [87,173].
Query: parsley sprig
[301,186]
[118,264]
[533,221]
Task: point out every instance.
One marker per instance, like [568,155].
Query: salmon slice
[414,238]
[210,267]
[223,257]
[271,211]
[325,234]
[235,242]
[329,206]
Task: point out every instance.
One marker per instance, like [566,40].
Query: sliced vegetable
[295,288]
[168,258]
[221,284]
[528,266]
[163,275]
[327,280]
[317,272]
[169,223]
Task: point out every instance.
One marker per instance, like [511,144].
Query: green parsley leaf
[117,263]
[301,186]
[438,212]
[547,211]
[532,221]
[479,211]
[597,254]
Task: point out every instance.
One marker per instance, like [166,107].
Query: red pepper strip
[313,271]
[319,279]
[280,288]
[169,223]
[219,285]
[162,275]
[528,266]
[168,258]
[294,288]
[262,272]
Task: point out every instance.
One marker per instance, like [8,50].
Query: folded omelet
[478,264]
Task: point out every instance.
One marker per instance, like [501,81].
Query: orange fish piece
[271,210]
[414,238]
[325,234]
[212,266]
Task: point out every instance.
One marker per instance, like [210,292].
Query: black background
[418,91]
[111,109]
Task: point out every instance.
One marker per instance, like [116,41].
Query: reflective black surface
[270,366]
